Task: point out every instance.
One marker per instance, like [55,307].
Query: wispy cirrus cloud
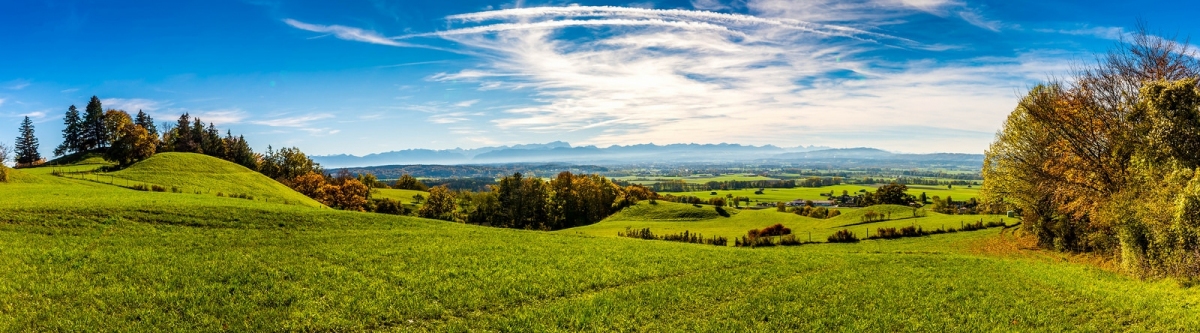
[651,75]
[133,104]
[293,121]
[347,33]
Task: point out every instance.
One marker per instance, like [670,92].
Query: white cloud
[753,80]
[466,104]
[347,33]
[132,104]
[220,117]
[1111,33]
[296,121]
[977,19]
[17,84]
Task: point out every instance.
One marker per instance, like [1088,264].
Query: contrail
[610,11]
[574,23]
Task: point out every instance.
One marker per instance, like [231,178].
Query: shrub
[843,236]
[174,189]
[683,237]
[141,187]
[157,188]
[389,206]
[220,194]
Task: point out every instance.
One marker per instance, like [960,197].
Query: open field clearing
[815,193]
[81,255]
[670,218]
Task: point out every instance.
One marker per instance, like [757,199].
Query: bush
[843,236]
[389,206]
[157,188]
[141,187]
[683,237]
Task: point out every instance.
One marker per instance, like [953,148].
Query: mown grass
[84,256]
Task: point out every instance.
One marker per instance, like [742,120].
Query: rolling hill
[210,175]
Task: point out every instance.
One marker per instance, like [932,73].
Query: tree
[27,145]
[418,198]
[132,143]
[212,143]
[408,182]
[893,194]
[440,204]
[94,135]
[114,120]
[147,123]
[72,133]
[4,152]
[312,185]
[239,152]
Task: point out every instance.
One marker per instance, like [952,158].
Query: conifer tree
[146,122]
[93,131]
[27,144]
[72,133]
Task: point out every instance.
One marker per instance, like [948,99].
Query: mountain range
[559,151]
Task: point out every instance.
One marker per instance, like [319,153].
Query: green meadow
[820,193]
[86,255]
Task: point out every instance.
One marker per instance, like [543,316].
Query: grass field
[405,196]
[814,193]
[667,217]
[78,255]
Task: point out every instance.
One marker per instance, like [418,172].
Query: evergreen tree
[181,136]
[146,122]
[213,145]
[72,133]
[197,135]
[27,144]
[93,132]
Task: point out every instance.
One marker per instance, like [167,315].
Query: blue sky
[364,76]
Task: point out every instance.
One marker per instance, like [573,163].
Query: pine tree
[93,131]
[197,135]
[72,133]
[146,122]
[213,145]
[181,136]
[27,144]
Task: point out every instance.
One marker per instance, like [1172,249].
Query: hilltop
[195,172]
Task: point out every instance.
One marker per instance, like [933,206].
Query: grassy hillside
[405,196]
[209,175]
[669,211]
[85,256]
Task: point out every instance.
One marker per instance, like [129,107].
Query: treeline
[490,171]
[677,185]
[568,200]
[1106,161]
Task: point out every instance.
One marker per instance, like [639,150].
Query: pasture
[81,255]
[815,193]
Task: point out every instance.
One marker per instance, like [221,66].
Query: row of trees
[1105,161]
[566,201]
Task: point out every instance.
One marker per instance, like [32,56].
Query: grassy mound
[209,175]
[83,158]
[668,211]
[11,175]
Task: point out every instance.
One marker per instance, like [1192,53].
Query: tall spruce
[146,122]
[72,133]
[94,135]
[27,145]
